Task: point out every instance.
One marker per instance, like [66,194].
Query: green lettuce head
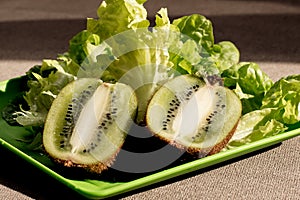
[120,46]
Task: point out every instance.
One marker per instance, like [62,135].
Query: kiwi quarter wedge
[87,123]
[192,114]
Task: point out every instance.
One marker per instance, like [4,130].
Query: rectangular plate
[112,182]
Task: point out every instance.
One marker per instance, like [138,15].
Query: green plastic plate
[112,182]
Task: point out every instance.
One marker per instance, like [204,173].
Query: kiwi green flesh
[91,132]
[144,94]
[193,115]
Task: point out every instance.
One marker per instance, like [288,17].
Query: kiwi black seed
[192,114]
[87,123]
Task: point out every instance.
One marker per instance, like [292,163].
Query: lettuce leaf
[256,125]
[225,54]
[118,16]
[284,95]
[125,15]
[78,45]
[198,28]
[44,83]
[215,58]
[279,112]
[249,82]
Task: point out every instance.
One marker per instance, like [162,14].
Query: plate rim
[158,176]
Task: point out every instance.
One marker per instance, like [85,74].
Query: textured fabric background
[266,32]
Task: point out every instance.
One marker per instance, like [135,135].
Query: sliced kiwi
[87,123]
[196,115]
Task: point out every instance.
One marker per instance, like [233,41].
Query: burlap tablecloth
[266,32]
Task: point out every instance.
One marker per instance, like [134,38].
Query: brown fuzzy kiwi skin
[93,168]
[197,152]
[217,148]
[96,168]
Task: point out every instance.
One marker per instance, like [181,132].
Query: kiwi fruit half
[87,123]
[194,114]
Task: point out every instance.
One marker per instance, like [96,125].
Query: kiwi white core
[89,118]
[190,115]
